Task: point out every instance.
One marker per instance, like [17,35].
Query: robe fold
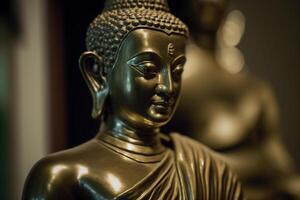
[193,172]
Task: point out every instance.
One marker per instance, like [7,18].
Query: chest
[107,182]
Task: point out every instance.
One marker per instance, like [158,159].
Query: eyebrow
[179,58]
[149,54]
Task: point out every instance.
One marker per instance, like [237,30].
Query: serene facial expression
[146,78]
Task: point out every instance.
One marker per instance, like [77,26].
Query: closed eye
[146,64]
[146,68]
[177,72]
[178,67]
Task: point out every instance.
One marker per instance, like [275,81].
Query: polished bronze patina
[235,114]
[133,67]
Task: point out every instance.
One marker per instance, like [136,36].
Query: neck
[206,40]
[142,140]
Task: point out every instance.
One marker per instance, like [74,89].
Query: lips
[162,106]
[161,103]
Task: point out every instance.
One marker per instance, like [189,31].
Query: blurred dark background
[271,46]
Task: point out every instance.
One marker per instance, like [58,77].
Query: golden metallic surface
[231,112]
[135,89]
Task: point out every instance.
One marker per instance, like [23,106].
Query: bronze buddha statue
[235,114]
[133,67]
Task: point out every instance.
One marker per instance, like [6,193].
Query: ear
[92,69]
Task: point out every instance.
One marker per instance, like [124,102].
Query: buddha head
[134,61]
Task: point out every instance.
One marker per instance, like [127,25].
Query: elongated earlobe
[92,69]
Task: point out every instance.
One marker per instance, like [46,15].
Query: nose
[165,86]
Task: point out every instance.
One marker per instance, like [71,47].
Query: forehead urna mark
[171,49]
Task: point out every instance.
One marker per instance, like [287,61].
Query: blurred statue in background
[133,66]
[226,108]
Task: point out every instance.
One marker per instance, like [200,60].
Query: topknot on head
[157,5]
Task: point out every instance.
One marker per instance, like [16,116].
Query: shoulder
[261,87]
[48,178]
[181,141]
[56,175]
[197,160]
[197,152]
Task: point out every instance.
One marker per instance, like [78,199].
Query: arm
[287,181]
[273,147]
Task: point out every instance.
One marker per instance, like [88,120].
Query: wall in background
[29,121]
[4,99]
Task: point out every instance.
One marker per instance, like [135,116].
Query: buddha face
[144,84]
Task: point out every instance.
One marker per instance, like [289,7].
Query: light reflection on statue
[226,108]
[133,67]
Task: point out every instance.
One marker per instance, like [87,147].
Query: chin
[160,118]
[152,118]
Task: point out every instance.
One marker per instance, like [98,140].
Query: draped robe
[191,173]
